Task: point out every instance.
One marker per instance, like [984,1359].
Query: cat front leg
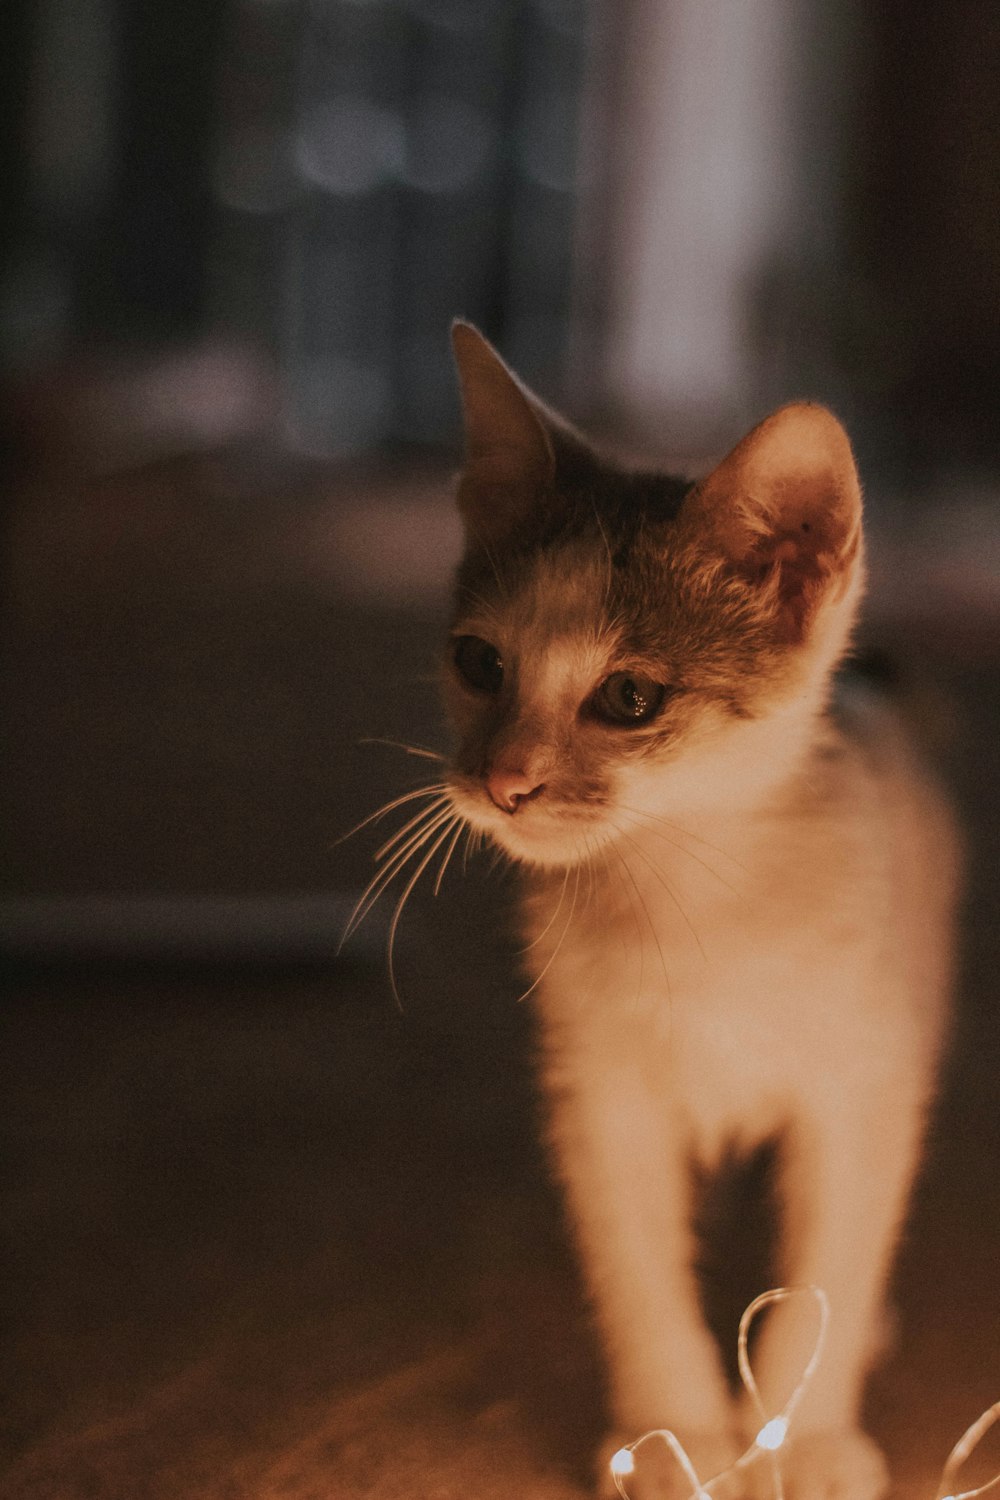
[846,1177]
[627,1180]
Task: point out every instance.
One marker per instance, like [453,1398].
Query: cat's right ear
[784,510]
[510,457]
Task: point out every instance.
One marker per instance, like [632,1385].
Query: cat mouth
[535,833]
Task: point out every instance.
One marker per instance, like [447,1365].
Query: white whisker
[388,807]
[419,750]
[659,876]
[486,606]
[610,573]
[491,559]
[562,938]
[609,875]
[432,820]
[407,889]
[657,832]
[385,876]
[555,912]
[633,883]
[590,874]
[635,917]
[459,829]
[442,800]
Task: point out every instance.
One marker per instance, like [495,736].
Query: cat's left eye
[479,663]
[628,698]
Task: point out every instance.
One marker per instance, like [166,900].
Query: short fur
[739,911]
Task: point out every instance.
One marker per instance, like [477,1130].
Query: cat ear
[785,509]
[510,438]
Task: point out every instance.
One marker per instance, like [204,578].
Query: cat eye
[628,698]
[479,663]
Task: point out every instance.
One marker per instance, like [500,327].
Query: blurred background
[669,212]
[265,1230]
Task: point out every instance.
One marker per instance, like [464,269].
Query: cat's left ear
[785,509]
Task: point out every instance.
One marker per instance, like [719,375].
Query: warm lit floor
[264,1234]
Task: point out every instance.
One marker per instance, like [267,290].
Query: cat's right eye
[628,698]
[478,663]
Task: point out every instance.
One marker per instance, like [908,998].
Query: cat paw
[826,1466]
[656,1473]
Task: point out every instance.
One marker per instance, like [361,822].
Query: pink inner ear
[803,568]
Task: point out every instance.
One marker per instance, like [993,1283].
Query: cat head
[627,644]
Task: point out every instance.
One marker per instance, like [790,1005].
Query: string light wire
[771,1436]
[773,1429]
[961,1451]
[623,1463]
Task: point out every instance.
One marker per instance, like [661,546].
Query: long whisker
[659,875]
[391,868]
[459,828]
[490,558]
[473,846]
[420,750]
[407,890]
[694,837]
[562,938]
[415,831]
[496,570]
[632,909]
[609,576]
[442,800]
[555,912]
[652,926]
[432,820]
[588,901]
[388,807]
[657,832]
[635,915]
[487,606]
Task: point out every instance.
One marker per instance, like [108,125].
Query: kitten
[738,900]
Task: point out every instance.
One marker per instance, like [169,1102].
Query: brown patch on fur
[679,614]
[710,590]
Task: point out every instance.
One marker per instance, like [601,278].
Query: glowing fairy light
[622,1464]
[773,1430]
[771,1436]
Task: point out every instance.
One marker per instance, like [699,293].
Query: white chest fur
[790,978]
[748,969]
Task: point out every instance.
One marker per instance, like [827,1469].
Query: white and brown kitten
[739,903]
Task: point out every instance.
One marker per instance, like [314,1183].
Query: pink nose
[508,789]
